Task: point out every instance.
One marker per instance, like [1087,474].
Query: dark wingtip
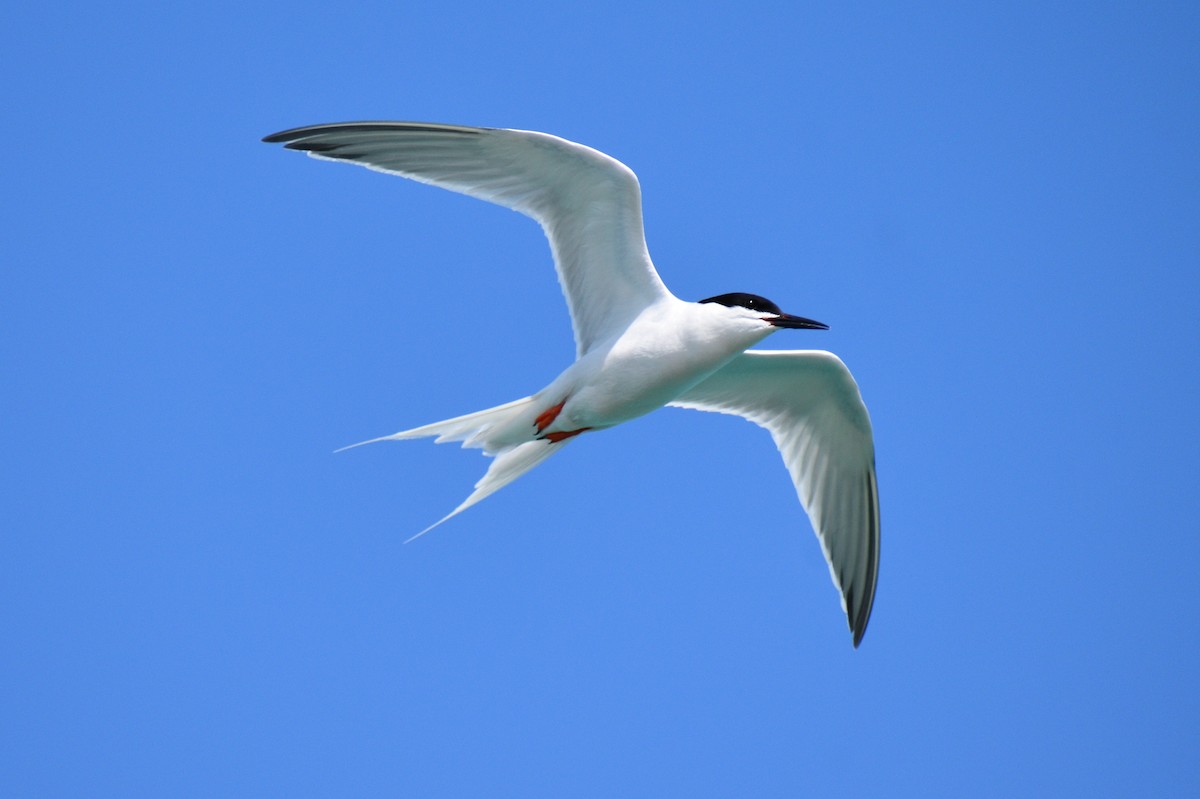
[292,134]
[275,138]
[860,620]
[313,146]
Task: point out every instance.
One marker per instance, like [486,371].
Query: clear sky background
[997,210]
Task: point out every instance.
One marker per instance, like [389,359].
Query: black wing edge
[858,617]
[296,134]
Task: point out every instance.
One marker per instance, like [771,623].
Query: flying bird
[637,346]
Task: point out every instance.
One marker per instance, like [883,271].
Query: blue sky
[996,210]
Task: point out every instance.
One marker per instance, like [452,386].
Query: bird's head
[759,309]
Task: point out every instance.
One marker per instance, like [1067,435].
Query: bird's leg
[554,438]
[547,417]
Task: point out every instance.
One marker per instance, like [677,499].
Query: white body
[670,347]
[638,347]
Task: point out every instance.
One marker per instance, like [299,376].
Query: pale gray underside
[588,204]
[812,408]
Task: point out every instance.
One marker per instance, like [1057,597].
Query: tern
[638,347]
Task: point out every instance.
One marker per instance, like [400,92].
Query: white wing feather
[812,408]
[588,203]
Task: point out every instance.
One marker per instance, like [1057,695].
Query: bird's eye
[752,302]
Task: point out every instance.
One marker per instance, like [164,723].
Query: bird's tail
[512,458]
[508,466]
[471,429]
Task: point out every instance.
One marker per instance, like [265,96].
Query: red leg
[557,437]
[547,417]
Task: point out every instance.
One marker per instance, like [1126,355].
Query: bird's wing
[811,406]
[588,203]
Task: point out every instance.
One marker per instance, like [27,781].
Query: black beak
[797,322]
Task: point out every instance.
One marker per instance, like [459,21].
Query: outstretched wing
[589,204]
[811,406]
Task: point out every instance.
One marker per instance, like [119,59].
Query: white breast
[666,351]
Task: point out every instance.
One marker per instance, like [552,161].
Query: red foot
[557,437]
[548,416]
